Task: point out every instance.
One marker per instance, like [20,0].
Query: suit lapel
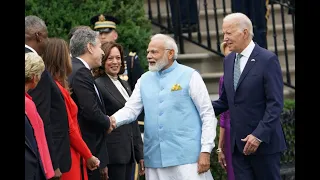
[113,89]
[250,63]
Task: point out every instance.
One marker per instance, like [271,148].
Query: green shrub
[288,126]
[61,15]
[288,104]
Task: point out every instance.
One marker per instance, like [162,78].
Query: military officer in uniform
[106,25]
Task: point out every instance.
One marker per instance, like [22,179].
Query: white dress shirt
[87,66]
[245,55]
[200,96]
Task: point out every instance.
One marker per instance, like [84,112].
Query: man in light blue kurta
[180,124]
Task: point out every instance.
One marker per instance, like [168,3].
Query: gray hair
[169,43]
[33,24]
[241,20]
[80,40]
[34,65]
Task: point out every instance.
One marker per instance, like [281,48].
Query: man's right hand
[112,124]
[203,162]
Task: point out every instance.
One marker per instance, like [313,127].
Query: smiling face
[113,62]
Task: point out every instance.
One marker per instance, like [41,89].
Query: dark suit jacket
[51,108]
[123,142]
[33,169]
[257,103]
[92,117]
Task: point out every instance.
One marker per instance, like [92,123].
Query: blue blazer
[256,104]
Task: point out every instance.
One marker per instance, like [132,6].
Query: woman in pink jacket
[34,66]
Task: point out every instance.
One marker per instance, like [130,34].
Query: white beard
[160,64]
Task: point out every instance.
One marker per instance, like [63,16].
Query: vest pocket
[179,93]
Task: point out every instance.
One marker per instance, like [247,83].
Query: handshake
[112,124]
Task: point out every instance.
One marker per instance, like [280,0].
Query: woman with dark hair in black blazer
[124,144]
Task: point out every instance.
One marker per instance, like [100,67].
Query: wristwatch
[219,150]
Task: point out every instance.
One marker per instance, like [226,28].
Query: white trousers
[181,172]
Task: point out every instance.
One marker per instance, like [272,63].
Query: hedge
[62,15]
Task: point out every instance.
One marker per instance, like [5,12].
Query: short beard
[160,64]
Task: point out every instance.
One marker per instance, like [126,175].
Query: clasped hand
[112,124]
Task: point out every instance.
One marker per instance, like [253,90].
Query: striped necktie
[236,71]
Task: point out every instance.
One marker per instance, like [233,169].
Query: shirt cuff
[259,140]
[207,148]
[118,123]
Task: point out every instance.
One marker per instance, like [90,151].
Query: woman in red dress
[58,62]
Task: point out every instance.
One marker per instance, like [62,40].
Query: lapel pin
[253,60]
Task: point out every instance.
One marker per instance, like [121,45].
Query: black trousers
[120,171]
[256,11]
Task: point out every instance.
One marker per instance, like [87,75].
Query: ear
[33,80]
[171,54]
[246,33]
[37,35]
[115,35]
[90,48]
